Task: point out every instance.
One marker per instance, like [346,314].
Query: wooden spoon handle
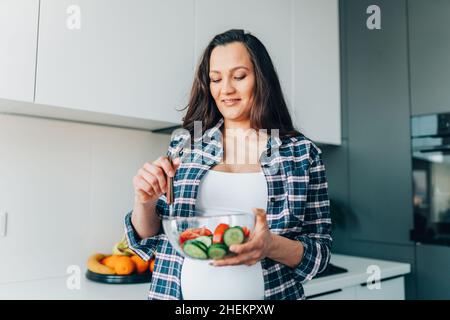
[169,194]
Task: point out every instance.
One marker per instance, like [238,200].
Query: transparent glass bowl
[185,230]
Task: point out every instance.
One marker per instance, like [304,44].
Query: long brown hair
[269,110]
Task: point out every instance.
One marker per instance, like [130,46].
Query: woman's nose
[227,86]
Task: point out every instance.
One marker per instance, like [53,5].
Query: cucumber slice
[217,251]
[206,240]
[194,250]
[200,244]
[233,235]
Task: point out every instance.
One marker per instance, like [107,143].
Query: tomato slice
[218,233]
[203,231]
[193,233]
[187,235]
[246,231]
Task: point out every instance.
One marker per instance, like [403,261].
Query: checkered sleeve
[145,248]
[316,230]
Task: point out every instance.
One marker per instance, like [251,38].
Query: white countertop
[357,273]
[56,288]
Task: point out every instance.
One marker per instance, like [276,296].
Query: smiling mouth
[230,101]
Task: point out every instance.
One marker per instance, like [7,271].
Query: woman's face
[232,81]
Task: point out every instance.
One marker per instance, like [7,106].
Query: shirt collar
[214,132]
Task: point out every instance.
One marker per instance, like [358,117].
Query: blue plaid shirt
[297,208]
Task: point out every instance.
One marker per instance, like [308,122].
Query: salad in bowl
[208,235]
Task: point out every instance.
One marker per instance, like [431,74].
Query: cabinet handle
[385,279]
[323,293]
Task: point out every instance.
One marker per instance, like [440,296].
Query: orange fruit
[110,261]
[124,265]
[152,264]
[141,265]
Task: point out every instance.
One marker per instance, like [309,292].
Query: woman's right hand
[150,182]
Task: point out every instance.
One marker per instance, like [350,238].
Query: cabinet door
[339,294]
[392,289]
[268,20]
[129,58]
[433,276]
[378,122]
[429,49]
[316,71]
[18,35]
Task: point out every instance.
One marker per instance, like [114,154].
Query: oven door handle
[440,149]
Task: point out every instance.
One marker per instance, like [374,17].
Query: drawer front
[339,294]
[392,289]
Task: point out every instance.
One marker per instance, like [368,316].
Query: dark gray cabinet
[378,122]
[429,54]
[433,276]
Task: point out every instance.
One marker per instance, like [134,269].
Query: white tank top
[201,281]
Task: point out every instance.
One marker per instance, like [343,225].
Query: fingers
[243,248]
[260,214]
[247,259]
[155,177]
[247,253]
[169,169]
[143,196]
[151,179]
[252,251]
[143,189]
[155,174]
[176,163]
[228,262]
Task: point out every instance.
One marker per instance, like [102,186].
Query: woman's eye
[215,80]
[239,78]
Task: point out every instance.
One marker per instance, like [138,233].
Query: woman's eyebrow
[232,69]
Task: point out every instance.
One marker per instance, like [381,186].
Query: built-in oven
[430,143]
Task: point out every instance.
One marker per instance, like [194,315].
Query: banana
[118,251]
[94,264]
[129,252]
[123,244]
[121,248]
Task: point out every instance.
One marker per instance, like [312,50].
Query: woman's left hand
[256,248]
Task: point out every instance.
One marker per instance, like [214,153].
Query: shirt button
[272,199]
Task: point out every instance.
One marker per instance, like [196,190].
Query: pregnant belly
[200,281]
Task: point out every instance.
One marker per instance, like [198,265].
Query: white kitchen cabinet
[126,58]
[18,36]
[352,284]
[302,37]
[338,294]
[316,69]
[268,20]
[131,63]
[389,289]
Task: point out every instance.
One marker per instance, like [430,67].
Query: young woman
[236,89]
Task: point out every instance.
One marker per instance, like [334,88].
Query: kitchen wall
[66,187]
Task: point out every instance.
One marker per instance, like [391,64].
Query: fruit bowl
[118,279]
[121,266]
[208,235]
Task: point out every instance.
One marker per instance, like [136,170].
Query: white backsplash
[66,187]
